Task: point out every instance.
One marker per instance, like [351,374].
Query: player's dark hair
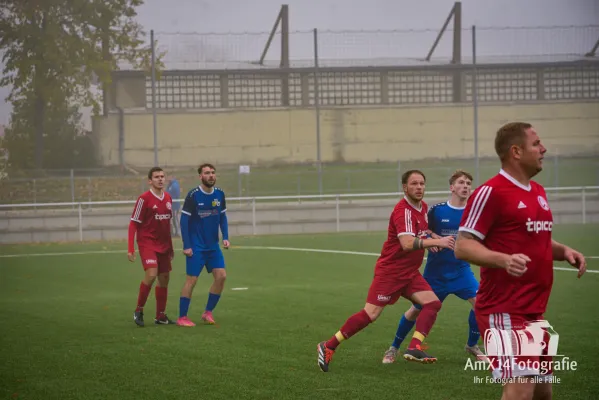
[508,135]
[458,174]
[205,165]
[152,170]
[406,175]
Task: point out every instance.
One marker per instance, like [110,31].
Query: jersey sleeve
[480,212]
[223,205]
[189,206]
[139,210]
[432,223]
[402,218]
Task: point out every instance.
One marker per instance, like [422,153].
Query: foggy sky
[259,16]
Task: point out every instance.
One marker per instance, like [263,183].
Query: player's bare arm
[469,248]
[561,252]
[409,242]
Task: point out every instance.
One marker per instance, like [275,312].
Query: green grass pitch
[67,329]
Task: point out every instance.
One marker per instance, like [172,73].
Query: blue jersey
[444,220]
[202,216]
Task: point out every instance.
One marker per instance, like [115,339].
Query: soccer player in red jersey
[151,220]
[396,273]
[506,230]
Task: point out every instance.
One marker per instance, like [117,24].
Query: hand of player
[131,256]
[226,244]
[516,264]
[434,249]
[188,252]
[447,242]
[575,259]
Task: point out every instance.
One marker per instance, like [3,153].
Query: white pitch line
[72,253]
[359,253]
[356,253]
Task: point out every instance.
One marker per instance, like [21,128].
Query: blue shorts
[464,286]
[200,258]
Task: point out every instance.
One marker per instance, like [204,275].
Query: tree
[52,51]
[69,146]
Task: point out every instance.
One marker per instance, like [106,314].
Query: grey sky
[259,16]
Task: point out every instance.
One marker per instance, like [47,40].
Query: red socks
[353,325]
[144,292]
[424,323]
[161,295]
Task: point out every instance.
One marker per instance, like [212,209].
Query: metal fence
[47,222]
[358,48]
[298,180]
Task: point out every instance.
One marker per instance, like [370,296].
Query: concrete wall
[270,218]
[347,134]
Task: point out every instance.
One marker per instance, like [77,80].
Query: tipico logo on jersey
[161,217]
[539,226]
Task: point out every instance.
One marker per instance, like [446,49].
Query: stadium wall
[364,134]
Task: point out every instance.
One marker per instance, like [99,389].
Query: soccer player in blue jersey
[204,212]
[444,272]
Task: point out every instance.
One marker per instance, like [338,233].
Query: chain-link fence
[287,180]
[195,50]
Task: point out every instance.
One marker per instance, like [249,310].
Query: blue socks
[183,306]
[405,326]
[212,301]
[473,334]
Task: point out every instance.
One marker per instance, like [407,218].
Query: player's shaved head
[511,134]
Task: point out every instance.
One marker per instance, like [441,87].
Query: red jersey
[512,218]
[405,220]
[153,214]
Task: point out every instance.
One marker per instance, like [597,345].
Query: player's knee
[373,311]
[191,280]
[412,313]
[150,276]
[220,275]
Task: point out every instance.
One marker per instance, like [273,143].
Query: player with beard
[204,212]
[446,274]
[396,273]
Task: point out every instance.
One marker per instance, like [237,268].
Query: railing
[96,185]
[258,215]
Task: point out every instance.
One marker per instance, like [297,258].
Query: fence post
[34,193]
[72,185]
[555,171]
[253,215]
[80,224]
[584,206]
[338,214]
[89,189]
[399,185]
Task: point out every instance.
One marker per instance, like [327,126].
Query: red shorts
[516,345]
[152,259]
[386,290]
